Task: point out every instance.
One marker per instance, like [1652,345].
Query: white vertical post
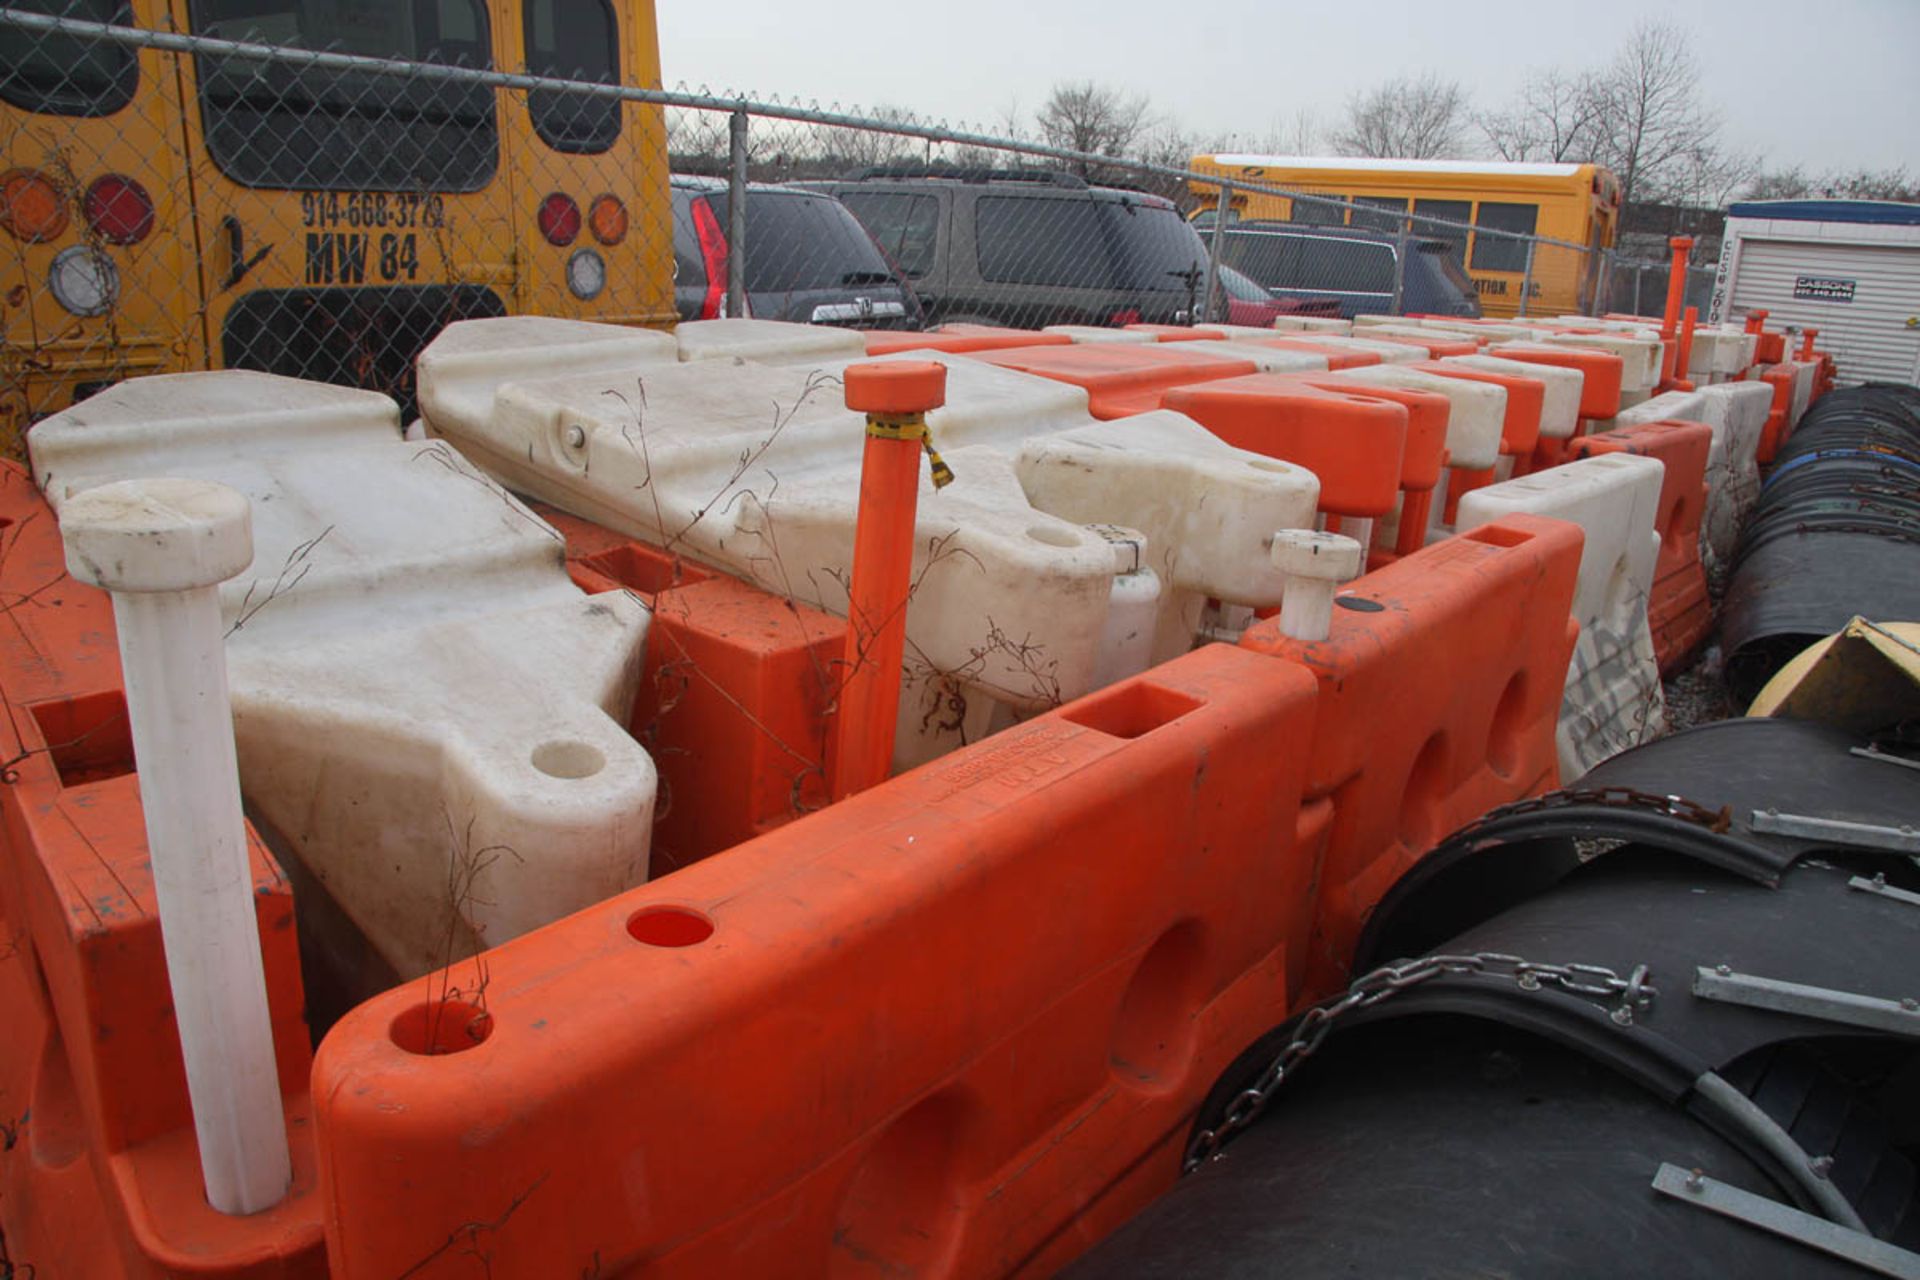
[1315,564]
[162,547]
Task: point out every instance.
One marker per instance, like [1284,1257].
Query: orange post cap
[896,386]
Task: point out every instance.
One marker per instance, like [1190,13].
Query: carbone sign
[1823,289]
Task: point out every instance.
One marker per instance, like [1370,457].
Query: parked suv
[808,259]
[1030,247]
[1352,267]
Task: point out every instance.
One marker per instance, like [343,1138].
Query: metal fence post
[1399,268]
[1526,278]
[737,213]
[1215,243]
[1638,276]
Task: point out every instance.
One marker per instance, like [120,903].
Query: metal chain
[1635,991]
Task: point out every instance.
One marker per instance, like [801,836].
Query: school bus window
[573,40]
[282,125]
[1447,211]
[1379,213]
[1502,252]
[67,75]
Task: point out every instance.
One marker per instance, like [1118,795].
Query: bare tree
[844,148]
[1406,119]
[1794,183]
[1084,116]
[1651,127]
[1555,118]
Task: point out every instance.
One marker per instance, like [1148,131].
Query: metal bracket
[1904,838]
[1862,1250]
[1874,753]
[1901,1017]
[1878,885]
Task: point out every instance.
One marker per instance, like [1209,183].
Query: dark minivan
[1352,267]
[1030,248]
[808,259]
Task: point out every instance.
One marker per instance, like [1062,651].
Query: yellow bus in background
[164,212]
[1571,202]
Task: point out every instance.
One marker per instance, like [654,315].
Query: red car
[1249,303]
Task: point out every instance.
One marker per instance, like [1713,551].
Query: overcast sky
[1822,83]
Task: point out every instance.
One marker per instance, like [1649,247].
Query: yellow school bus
[162,212]
[1572,202]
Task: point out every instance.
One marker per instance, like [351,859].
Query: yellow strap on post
[913,428]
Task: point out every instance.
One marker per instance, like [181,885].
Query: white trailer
[1849,268]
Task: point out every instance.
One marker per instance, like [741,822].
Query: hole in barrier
[1047,535]
[643,569]
[88,737]
[1509,727]
[564,758]
[1498,535]
[669,926]
[1420,800]
[1131,710]
[436,1027]
[1153,1033]
[1359,604]
[901,1212]
[1265,464]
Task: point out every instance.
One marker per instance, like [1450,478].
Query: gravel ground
[1698,695]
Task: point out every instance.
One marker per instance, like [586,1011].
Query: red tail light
[559,219]
[713,252]
[30,206]
[118,209]
[1121,319]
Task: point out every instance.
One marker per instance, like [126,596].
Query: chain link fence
[316,189]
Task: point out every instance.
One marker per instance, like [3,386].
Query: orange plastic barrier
[960,339]
[1176,333]
[1526,397]
[1435,347]
[734,704]
[1355,443]
[1678,609]
[1121,378]
[1600,374]
[1440,687]
[1774,434]
[101,1174]
[959,1023]
[1426,453]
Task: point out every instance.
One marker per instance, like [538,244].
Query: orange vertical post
[896,397]
[1683,362]
[1671,368]
[1806,343]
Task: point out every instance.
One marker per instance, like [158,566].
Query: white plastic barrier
[1560,401]
[1482,331]
[1737,414]
[1312,324]
[755,468]
[1613,697]
[1095,333]
[426,708]
[1265,359]
[1720,352]
[1389,352]
[1640,355]
[766,341]
[1476,411]
[1400,329]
